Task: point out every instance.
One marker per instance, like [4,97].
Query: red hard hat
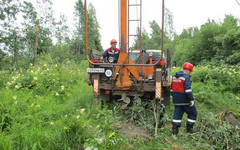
[188,66]
[113,41]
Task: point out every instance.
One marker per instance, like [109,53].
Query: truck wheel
[103,98]
[166,96]
[160,110]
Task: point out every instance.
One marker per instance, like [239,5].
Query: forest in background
[215,42]
[19,20]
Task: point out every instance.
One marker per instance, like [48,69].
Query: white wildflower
[57,94]
[17,87]
[14,97]
[62,87]
[77,117]
[82,111]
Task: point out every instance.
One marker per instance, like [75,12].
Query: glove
[192,103]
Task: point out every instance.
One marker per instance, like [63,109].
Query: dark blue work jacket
[115,54]
[181,89]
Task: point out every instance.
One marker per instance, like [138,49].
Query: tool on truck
[142,72]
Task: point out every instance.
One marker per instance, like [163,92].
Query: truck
[146,73]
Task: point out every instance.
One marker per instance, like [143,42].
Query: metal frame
[108,64]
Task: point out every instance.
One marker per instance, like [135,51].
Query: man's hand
[192,103]
[101,58]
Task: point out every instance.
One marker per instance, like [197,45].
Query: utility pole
[35,47]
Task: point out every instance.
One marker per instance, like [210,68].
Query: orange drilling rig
[142,72]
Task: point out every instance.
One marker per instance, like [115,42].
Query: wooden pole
[35,47]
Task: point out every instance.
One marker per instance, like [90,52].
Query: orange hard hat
[188,66]
[113,41]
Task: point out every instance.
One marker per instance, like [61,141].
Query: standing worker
[112,52]
[183,99]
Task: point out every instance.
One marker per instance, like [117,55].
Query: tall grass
[50,106]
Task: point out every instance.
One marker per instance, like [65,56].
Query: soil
[129,130]
[231,119]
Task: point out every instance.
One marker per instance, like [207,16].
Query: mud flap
[96,90]
[158,91]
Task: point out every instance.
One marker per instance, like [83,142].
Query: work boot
[175,129]
[190,129]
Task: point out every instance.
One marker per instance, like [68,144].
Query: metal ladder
[137,5]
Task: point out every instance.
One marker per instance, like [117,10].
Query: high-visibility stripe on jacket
[181,89]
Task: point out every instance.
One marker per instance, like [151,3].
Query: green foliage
[139,113]
[152,41]
[212,42]
[62,52]
[48,106]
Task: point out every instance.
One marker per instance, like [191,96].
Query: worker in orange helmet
[111,53]
[183,99]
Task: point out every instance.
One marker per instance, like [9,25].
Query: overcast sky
[186,13]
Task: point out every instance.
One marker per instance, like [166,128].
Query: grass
[50,106]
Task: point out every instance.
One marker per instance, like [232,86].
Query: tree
[93,30]
[46,25]
[155,34]
[168,24]
[78,43]
[29,24]
[145,43]
[10,32]
[153,40]
[228,40]
[8,9]
[62,30]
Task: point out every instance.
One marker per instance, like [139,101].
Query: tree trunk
[35,47]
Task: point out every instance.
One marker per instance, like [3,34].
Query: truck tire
[103,98]
[166,96]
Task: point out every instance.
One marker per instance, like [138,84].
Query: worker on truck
[111,53]
[183,99]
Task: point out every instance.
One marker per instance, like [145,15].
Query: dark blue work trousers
[179,111]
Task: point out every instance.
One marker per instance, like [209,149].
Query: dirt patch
[230,118]
[129,130]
